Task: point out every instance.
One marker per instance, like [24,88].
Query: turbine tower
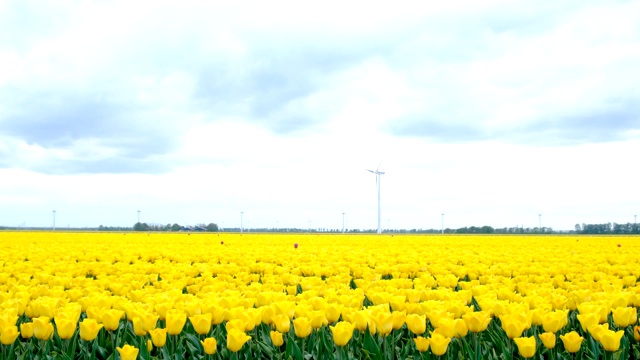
[378,173]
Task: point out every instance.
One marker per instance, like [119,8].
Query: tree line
[211,227]
[608,228]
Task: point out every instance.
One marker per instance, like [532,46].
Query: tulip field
[310,296]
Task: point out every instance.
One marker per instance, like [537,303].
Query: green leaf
[292,350]
[371,346]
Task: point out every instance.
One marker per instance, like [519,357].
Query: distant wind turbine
[378,173]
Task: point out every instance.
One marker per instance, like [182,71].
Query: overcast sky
[490,112]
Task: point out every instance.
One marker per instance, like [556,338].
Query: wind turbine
[378,173]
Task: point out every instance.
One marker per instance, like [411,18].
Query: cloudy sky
[490,112]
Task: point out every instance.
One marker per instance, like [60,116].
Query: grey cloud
[612,122]
[601,125]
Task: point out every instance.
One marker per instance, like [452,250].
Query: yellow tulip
[111,319]
[138,326]
[477,321]
[526,346]
[159,337]
[636,332]
[66,328]
[446,327]
[128,352]
[236,338]
[548,340]
[149,320]
[513,326]
[422,344]
[9,334]
[26,330]
[417,324]
[461,328]
[554,321]
[399,318]
[610,339]
[332,312]
[89,329]
[597,330]
[587,320]
[276,338]
[201,323]
[175,321]
[572,341]
[318,319]
[42,328]
[625,316]
[210,345]
[438,344]
[342,333]
[361,320]
[384,323]
[302,327]
[282,323]
[149,345]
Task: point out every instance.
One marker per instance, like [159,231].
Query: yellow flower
[513,326]
[597,330]
[276,338]
[417,324]
[201,323]
[210,345]
[548,340]
[342,333]
[332,312]
[282,323]
[587,320]
[610,339]
[477,321]
[384,323]
[26,330]
[236,338]
[636,332]
[42,328]
[461,328]
[438,344]
[526,346]
[446,327]
[302,327]
[149,345]
[554,321]
[138,326]
[111,319]
[572,341]
[399,318]
[175,321]
[8,335]
[159,337]
[422,344]
[89,329]
[625,316]
[128,352]
[66,328]
[149,320]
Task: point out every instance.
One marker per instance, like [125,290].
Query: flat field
[317,296]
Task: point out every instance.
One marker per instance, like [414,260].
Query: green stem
[476,346]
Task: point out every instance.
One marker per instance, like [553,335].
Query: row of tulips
[149,296]
[381,333]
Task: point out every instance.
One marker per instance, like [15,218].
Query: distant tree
[176,227]
[141,227]
[212,227]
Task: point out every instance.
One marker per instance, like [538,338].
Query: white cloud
[489,112]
